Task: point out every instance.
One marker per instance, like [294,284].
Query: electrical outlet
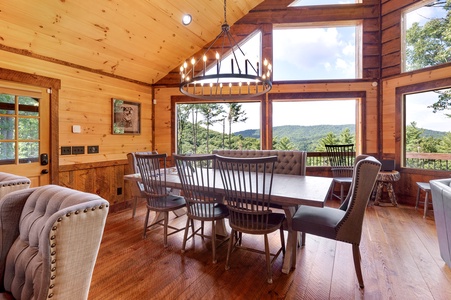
[66,150]
[78,150]
[93,149]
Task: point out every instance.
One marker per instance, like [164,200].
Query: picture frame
[126,117]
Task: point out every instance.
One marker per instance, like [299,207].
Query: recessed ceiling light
[186,20]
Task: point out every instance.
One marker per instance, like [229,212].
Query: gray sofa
[50,237]
[10,183]
[441,199]
[288,161]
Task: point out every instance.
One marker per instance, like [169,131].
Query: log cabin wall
[393,79]
[85,100]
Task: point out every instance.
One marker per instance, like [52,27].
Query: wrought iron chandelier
[239,83]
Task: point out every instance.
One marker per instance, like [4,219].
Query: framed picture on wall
[126,117]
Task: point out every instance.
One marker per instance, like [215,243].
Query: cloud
[314,53]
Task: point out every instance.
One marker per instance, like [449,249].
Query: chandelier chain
[225,11]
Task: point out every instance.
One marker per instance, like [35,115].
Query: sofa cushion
[288,162]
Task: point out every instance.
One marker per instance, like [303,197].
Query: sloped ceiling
[141,40]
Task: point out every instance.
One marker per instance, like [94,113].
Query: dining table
[288,192]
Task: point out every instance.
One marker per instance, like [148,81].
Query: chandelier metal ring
[240,83]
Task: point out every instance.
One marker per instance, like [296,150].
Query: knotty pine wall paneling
[85,100]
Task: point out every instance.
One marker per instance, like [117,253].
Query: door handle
[44,171]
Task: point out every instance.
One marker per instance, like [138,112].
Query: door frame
[54,85]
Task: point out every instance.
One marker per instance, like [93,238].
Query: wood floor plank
[399,249]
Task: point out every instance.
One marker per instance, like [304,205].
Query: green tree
[235,115]
[329,139]
[211,113]
[430,45]
[183,111]
[283,144]
[445,144]
[413,137]
[346,137]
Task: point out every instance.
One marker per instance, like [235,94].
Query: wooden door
[25,131]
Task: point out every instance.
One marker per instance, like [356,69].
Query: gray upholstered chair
[10,183]
[198,177]
[50,237]
[152,168]
[248,196]
[344,223]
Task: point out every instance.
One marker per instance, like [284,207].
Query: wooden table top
[287,190]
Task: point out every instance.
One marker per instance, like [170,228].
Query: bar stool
[426,188]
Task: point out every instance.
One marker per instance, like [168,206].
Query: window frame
[347,23]
[403,22]
[400,122]
[360,118]
[189,100]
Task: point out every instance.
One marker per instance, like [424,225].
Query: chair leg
[135,202]
[418,198]
[358,270]
[426,204]
[165,234]
[213,240]
[268,260]
[229,250]
[282,240]
[303,239]
[202,230]
[146,222]
[186,234]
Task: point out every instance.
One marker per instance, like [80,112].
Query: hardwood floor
[400,260]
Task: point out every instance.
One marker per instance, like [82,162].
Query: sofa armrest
[75,236]
[11,182]
[11,207]
[441,200]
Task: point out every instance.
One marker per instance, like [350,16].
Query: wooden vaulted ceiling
[139,40]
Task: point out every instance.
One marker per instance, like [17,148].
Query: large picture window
[427,130]
[203,127]
[426,37]
[321,52]
[309,125]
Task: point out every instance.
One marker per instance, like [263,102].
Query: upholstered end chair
[288,161]
[10,183]
[50,237]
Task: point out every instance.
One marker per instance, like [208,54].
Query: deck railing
[429,161]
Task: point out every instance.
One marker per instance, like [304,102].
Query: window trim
[360,96]
[346,23]
[189,100]
[400,126]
